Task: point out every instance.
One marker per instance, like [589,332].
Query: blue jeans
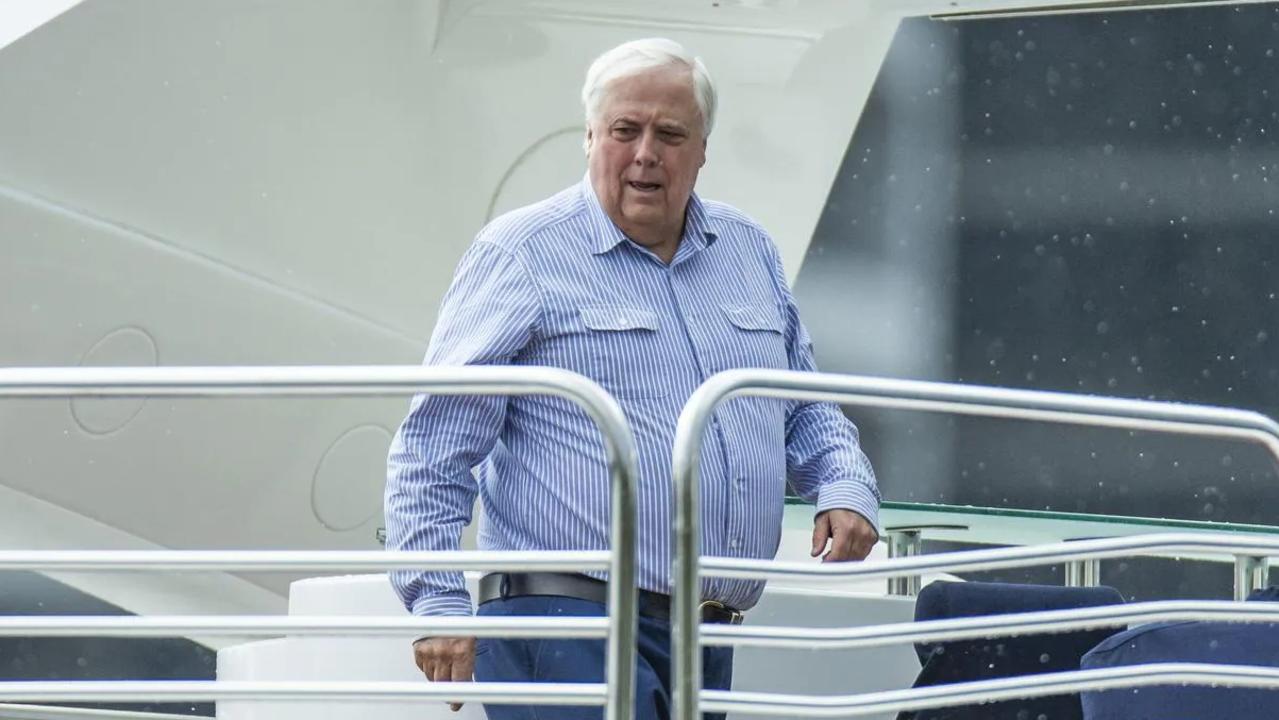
[575,660]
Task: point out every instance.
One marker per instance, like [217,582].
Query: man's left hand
[851,535]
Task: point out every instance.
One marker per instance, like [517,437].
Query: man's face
[645,148]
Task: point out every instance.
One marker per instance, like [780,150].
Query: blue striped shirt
[558,284]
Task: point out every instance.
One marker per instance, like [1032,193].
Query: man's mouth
[644,187]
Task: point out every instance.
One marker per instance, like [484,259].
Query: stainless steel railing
[309,626]
[225,690]
[9,711]
[619,626]
[618,693]
[991,626]
[1162,544]
[986,691]
[915,395]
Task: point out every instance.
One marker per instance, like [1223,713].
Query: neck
[661,241]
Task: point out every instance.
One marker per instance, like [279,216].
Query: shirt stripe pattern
[558,284]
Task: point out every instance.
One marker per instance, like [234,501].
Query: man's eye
[624,131]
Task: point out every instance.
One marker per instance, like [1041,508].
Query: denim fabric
[575,660]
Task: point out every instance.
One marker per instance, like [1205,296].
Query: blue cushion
[970,660]
[1191,642]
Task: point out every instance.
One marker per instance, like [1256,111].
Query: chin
[647,205]
[642,217]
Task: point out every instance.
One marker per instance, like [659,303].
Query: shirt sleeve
[488,315]
[824,458]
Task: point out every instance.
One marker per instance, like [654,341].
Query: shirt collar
[699,230]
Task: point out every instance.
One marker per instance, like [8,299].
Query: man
[628,278]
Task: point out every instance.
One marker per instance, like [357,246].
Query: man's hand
[851,536]
[446,659]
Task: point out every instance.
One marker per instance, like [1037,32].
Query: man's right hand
[446,659]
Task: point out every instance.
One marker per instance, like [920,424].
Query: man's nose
[646,152]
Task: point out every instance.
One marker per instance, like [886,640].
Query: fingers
[463,671]
[446,660]
[419,658]
[866,540]
[841,543]
[852,536]
[821,533]
[464,666]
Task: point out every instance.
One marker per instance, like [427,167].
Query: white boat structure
[289,184]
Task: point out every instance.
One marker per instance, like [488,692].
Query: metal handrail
[926,631]
[10,711]
[317,691]
[996,558]
[303,560]
[898,394]
[308,626]
[987,691]
[619,444]
[991,626]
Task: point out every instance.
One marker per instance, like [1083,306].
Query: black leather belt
[651,604]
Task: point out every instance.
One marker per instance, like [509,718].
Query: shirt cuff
[446,604]
[850,495]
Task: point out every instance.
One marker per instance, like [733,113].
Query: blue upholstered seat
[970,660]
[1190,642]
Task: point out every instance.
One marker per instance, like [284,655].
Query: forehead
[659,94]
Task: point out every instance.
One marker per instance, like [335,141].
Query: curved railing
[618,693]
[990,626]
[619,627]
[988,691]
[912,395]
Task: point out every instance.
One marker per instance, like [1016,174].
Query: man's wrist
[450,604]
[852,496]
[454,604]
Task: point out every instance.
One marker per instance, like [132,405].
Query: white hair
[638,56]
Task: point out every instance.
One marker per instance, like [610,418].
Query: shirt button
[734,543]
[623,322]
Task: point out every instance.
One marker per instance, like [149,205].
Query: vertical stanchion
[1083,573]
[1031,405]
[905,543]
[1251,572]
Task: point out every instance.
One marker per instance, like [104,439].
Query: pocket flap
[753,317]
[619,318]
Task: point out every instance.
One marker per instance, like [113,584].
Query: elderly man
[633,280]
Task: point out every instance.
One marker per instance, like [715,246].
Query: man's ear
[586,141]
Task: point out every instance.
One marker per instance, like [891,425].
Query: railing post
[971,400]
[1251,572]
[619,444]
[1083,573]
[907,542]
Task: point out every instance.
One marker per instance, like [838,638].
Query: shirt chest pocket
[756,337]
[623,351]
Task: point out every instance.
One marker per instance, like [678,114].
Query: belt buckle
[735,617]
